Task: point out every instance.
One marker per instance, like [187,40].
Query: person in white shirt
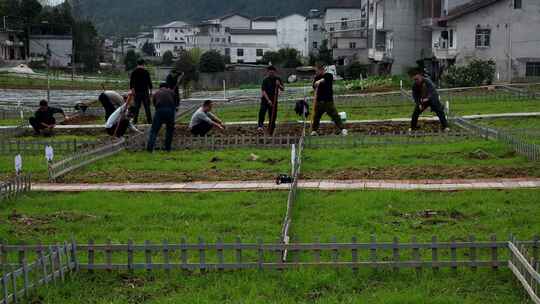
[118,122]
[203,120]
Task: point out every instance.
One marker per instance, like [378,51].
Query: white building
[59,47]
[291,33]
[249,46]
[234,21]
[264,23]
[314,31]
[172,36]
[11,47]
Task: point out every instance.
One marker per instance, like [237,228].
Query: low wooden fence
[53,264]
[531,151]
[13,188]
[524,263]
[10,146]
[82,159]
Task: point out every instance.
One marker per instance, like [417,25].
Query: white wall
[236,22]
[292,33]
[335,14]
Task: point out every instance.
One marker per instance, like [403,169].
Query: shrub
[355,69]
[211,62]
[130,61]
[168,58]
[478,72]
[186,64]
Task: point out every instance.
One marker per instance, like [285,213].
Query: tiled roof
[468,8]
[326,4]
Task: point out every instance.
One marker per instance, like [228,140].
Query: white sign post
[18,164]
[49,153]
[293,158]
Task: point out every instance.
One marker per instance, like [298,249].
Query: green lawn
[10,122]
[388,214]
[511,123]
[50,218]
[293,286]
[470,158]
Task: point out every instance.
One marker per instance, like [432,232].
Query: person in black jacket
[271,86]
[425,96]
[141,86]
[44,122]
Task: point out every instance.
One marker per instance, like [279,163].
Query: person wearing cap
[141,86]
[165,104]
[324,100]
[43,121]
[425,96]
[270,88]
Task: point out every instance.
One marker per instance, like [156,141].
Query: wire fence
[10,146]
[15,187]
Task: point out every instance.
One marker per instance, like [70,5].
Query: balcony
[430,23]
[380,53]
[445,53]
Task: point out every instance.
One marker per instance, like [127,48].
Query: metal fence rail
[531,151]
[525,268]
[13,188]
[53,264]
[10,146]
[82,159]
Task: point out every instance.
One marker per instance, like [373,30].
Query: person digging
[425,96]
[271,86]
[323,101]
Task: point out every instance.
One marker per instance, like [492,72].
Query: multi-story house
[11,45]
[396,38]
[346,30]
[172,36]
[249,46]
[291,33]
[264,23]
[315,31]
[211,35]
[507,31]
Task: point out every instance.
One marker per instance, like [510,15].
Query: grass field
[511,123]
[119,217]
[294,286]
[362,109]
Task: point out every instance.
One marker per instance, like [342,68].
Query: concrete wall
[264,25]
[515,36]
[61,49]
[314,35]
[291,33]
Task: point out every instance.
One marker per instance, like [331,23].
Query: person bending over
[110,100]
[165,103]
[269,99]
[425,96]
[119,121]
[203,120]
[324,100]
[43,121]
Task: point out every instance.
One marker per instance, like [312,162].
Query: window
[315,27]
[344,24]
[259,52]
[352,45]
[533,69]
[227,52]
[483,38]
[315,45]
[518,4]
[240,52]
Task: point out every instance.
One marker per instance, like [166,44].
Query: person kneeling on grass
[324,100]
[165,103]
[203,120]
[43,121]
[119,121]
[425,96]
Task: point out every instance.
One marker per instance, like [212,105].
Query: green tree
[290,58]
[168,58]
[87,45]
[211,62]
[29,10]
[271,57]
[195,54]
[325,54]
[148,48]
[130,60]
[186,64]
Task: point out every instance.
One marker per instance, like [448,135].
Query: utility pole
[72,55]
[48,77]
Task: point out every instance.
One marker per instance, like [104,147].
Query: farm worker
[203,120]
[425,96]
[173,80]
[43,121]
[165,103]
[118,123]
[141,86]
[270,88]
[110,100]
[324,100]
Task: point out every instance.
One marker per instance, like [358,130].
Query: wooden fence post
[130,256]
[453,255]
[473,252]
[108,255]
[434,254]
[395,254]
[184,253]
[202,255]
[26,279]
[354,255]
[219,248]
[166,258]
[416,256]
[494,253]
[148,256]
[91,255]
[5,288]
[373,251]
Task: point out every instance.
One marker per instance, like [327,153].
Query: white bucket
[343,116]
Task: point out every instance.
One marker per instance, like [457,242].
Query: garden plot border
[9,146]
[15,187]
